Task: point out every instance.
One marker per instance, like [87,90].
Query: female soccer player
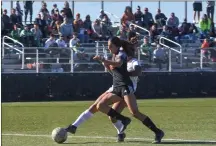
[122,88]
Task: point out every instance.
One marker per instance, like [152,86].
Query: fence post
[37,61]
[72,61]
[201,59]
[170,61]
[23,57]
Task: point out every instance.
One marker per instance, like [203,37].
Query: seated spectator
[45,12]
[74,41]
[78,23]
[184,28]
[160,18]
[146,49]
[205,50]
[15,34]
[173,21]
[88,25]
[61,43]
[27,36]
[148,20]
[42,24]
[97,30]
[54,9]
[56,29]
[62,13]
[128,17]
[66,28]
[106,24]
[212,32]
[56,17]
[50,42]
[19,12]
[154,33]
[102,14]
[138,15]
[37,34]
[68,12]
[159,56]
[122,33]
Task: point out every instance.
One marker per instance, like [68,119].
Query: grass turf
[188,119]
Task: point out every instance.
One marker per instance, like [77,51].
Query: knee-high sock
[82,118]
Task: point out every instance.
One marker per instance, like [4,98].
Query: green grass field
[185,122]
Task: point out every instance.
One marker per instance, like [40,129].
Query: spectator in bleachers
[66,28]
[105,25]
[210,10]
[6,21]
[37,34]
[165,32]
[78,23]
[148,20]
[13,17]
[56,17]
[127,17]
[97,30]
[173,21]
[74,41]
[45,13]
[160,18]
[15,33]
[62,13]
[205,50]
[122,33]
[19,12]
[197,7]
[88,25]
[184,28]
[154,33]
[27,36]
[28,7]
[138,15]
[54,9]
[205,25]
[42,24]
[68,12]
[212,32]
[61,43]
[159,56]
[50,42]
[102,14]
[146,49]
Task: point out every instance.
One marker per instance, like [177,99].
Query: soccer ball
[59,135]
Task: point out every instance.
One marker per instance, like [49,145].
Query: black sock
[148,123]
[112,113]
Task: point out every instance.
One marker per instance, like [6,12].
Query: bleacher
[14,61]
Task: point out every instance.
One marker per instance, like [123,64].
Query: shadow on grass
[86,143]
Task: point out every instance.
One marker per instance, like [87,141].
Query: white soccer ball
[59,135]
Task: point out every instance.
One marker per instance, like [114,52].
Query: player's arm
[117,63]
[137,71]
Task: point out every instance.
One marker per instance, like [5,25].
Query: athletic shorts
[121,91]
[197,7]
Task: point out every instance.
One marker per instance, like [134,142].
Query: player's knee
[135,113]
[99,105]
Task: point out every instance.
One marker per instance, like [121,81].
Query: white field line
[104,137]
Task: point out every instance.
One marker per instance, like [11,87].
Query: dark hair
[128,8]
[127,46]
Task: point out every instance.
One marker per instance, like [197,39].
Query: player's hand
[111,67]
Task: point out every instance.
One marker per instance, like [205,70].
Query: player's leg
[119,106]
[103,106]
[131,102]
[84,116]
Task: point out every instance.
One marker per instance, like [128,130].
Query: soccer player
[122,89]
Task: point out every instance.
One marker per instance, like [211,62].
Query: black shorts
[197,7]
[121,91]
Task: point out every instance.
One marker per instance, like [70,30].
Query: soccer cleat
[71,129]
[121,137]
[159,135]
[125,122]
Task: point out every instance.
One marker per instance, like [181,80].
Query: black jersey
[120,74]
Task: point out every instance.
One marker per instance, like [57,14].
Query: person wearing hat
[138,16]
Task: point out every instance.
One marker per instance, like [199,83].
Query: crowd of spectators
[58,28]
